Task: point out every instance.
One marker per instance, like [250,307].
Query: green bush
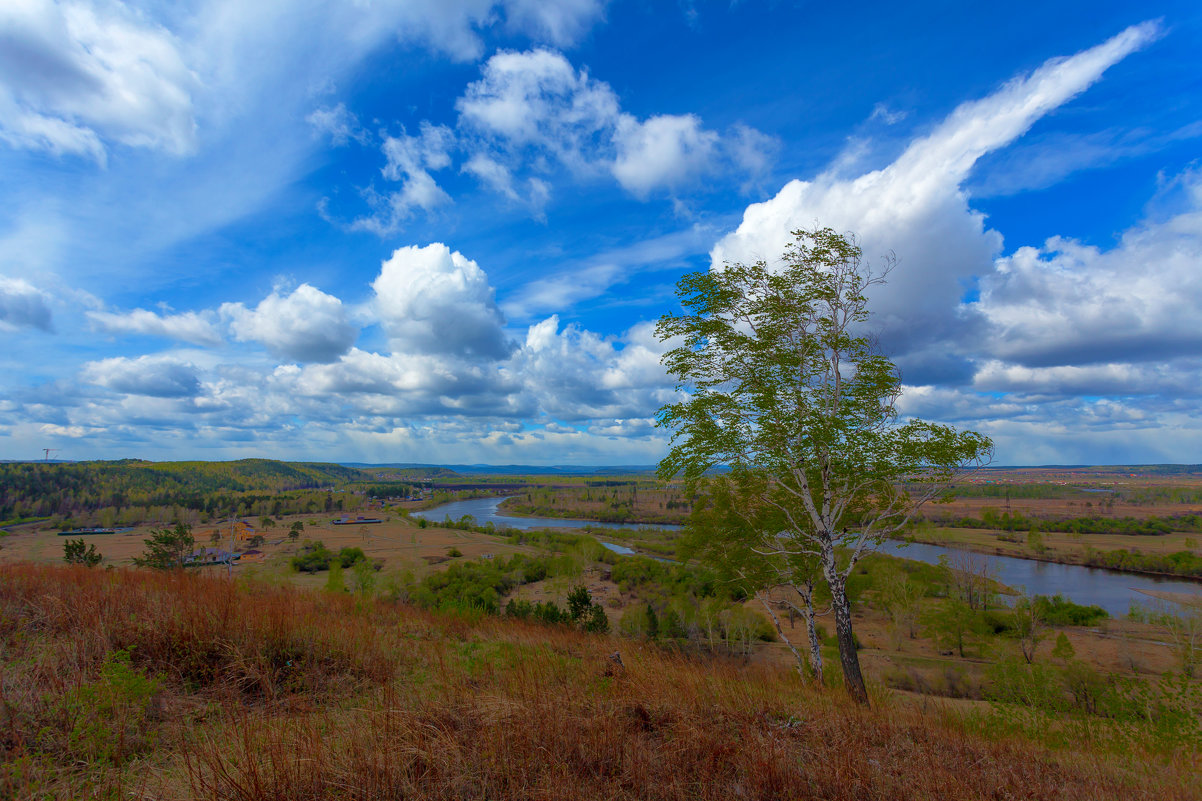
[109,719]
[76,552]
[315,557]
[1059,611]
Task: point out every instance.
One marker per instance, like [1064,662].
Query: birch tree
[731,530]
[779,377]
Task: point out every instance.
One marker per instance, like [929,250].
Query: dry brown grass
[393,703]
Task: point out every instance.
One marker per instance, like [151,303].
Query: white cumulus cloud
[917,208]
[534,108]
[663,151]
[306,325]
[1069,303]
[22,305]
[431,300]
[154,376]
[410,160]
[191,327]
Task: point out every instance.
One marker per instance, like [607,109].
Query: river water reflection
[1111,590]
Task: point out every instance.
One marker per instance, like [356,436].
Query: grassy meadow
[137,684]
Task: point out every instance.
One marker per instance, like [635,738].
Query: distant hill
[39,489]
[405,471]
[509,469]
[1106,469]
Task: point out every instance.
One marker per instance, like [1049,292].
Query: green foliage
[1025,625]
[1181,563]
[334,581]
[579,601]
[1035,541]
[1137,526]
[633,622]
[596,621]
[1059,611]
[314,557]
[108,719]
[643,575]
[1063,650]
[77,552]
[956,625]
[132,489]
[168,549]
[546,612]
[478,585]
[784,387]
[1183,625]
[454,552]
[365,576]
[652,622]
[1074,704]
[900,596]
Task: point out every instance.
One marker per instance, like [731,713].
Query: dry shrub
[519,712]
[197,632]
[396,703]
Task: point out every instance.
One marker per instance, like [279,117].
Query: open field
[1058,546]
[398,541]
[134,684]
[408,552]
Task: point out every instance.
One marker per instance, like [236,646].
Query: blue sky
[442,231]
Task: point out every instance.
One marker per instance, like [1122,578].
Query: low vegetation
[173,685]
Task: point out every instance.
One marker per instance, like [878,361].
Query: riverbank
[512,507]
[1083,550]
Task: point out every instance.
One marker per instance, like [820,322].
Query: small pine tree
[167,549]
[652,622]
[596,622]
[1064,649]
[76,553]
[579,601]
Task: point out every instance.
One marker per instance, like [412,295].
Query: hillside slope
[119,683]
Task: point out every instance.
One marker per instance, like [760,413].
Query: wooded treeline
[130,491]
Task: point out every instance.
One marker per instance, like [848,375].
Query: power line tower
[49,451]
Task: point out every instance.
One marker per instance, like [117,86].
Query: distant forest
[133,491]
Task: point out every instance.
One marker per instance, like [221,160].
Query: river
[485,511]
[1109,589]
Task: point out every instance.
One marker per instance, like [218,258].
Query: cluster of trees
[1028,490]
[1180,563]
[607,501]
[127,492]
[580,611]
[315,557]
[1148,526]
[392,489]
[478,586]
